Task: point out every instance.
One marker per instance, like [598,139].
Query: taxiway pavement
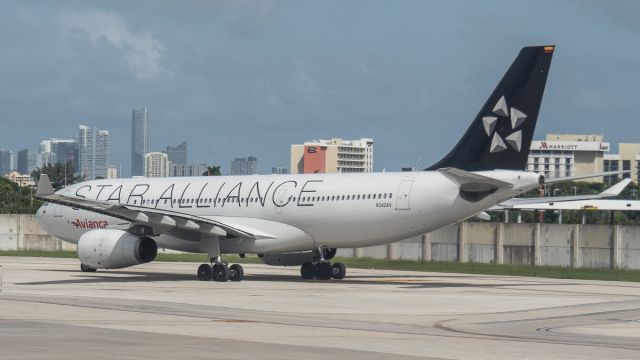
[51,310]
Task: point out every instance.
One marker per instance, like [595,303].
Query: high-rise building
[5,162]
[45,156]
[139,141]
[244,166]
[86,142]
[93,152]
[65,151]
[112,172]
[280,170]
[156,164]
[101,155]
[188,170]
[562,155]
[26,161]
[627,159]
[12,160]
[332,156]
[177,153]
[58,151]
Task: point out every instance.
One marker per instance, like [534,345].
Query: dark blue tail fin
[500,135]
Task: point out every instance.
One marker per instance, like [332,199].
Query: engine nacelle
[115,249]
[287,259]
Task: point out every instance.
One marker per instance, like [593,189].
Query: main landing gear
[85,268]
[220,271]
[321,268]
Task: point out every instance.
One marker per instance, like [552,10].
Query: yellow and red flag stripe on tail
[548,49]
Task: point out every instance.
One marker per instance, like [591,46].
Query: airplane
[571,202]
[530,203]
[600,201]
[301,220]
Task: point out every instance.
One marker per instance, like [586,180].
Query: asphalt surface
[51,310]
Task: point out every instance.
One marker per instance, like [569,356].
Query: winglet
[616,189]
[44,186]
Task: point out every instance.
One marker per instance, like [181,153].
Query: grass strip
[407,265]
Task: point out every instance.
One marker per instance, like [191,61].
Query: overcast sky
[239,78]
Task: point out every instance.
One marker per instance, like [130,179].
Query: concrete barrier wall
[572,245]
[22,232]
[519,243]
[628,249]
[593,246]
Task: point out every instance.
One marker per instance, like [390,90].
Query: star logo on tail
[514,140]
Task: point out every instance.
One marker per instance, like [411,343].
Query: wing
[585,176]
[161,218]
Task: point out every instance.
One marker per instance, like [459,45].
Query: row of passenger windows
[255,199]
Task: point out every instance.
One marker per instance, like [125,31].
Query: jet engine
[115,249]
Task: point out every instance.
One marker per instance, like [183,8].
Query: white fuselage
[293,212]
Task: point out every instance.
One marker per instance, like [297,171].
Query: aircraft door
[403,195]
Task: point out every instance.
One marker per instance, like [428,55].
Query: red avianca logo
[90,224]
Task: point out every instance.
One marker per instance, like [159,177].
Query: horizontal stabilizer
[469,181]
[473,187]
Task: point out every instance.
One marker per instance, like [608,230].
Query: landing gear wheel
[324,271]
[85,268]
[328,253]
[307,271]
[236,272]
[204,272]
[339,271]
[220,272]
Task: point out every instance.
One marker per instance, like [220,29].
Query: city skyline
[411,75]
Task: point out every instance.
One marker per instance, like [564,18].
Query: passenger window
[390,195]
[369,196]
